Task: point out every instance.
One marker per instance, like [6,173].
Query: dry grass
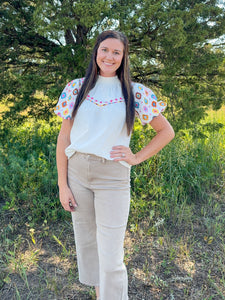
[176,262]
[182,258]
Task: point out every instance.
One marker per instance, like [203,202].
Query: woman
[94,159]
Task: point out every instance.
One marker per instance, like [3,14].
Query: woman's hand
[66,198]
[65,195]
[122,153]
[164,134]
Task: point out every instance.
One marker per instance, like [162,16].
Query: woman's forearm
[164,134]
[159,141]
[62,161]
[63,142]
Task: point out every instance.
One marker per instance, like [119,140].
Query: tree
[44,45]
[172,38]
[47,43]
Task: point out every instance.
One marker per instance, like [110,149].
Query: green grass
[186,171]
[28,175]
[175,242]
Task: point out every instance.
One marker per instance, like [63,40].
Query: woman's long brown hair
[123,73]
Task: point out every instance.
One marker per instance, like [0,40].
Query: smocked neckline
[112,79]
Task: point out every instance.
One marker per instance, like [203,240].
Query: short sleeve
[146,105]
[67,99]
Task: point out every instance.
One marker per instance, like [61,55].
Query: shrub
[185,171]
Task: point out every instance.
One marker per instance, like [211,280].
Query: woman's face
[109,56]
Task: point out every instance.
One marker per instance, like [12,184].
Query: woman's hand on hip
[123,153]
[67,199]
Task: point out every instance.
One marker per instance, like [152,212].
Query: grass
[175,241]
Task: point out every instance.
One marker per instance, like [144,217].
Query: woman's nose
[109,56]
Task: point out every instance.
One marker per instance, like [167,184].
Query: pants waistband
[92,157]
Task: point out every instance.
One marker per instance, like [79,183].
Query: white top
[100,122]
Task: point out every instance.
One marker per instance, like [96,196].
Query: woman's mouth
[108,64]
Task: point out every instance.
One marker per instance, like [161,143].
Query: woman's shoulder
[75,83]
[139,86]
[64,107]
[140,91]
[71,89]
[146,105]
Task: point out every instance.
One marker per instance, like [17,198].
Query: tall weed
[28,176]
[185,172]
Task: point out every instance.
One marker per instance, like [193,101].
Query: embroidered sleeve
[64,107]
[146,105]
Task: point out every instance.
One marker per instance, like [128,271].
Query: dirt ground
[183,261]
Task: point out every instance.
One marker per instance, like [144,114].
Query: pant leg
[103,264]
[84,224]
[112,204]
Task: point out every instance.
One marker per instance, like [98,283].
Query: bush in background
[185,171]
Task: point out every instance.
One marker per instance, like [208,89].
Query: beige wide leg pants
[102,191]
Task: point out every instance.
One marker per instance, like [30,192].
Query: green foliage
[28,175]
[173,39]
[175,49]
[174,45]
[187,171]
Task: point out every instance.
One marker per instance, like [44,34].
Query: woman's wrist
[62,184]
[137,159]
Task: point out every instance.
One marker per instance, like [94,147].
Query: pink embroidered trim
[104,103]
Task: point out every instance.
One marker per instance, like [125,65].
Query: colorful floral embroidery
[146,105]
[75,91]
[71,105]
[136,104]
[66,112]
[155,111]
[104,103]
[138,95]
[63,95]
[145,109]
[67,99]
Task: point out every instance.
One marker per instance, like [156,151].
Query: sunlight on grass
[217,116]
[20,262]
[176,218]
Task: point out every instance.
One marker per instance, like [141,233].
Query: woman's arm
[66,197]
[164,134]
